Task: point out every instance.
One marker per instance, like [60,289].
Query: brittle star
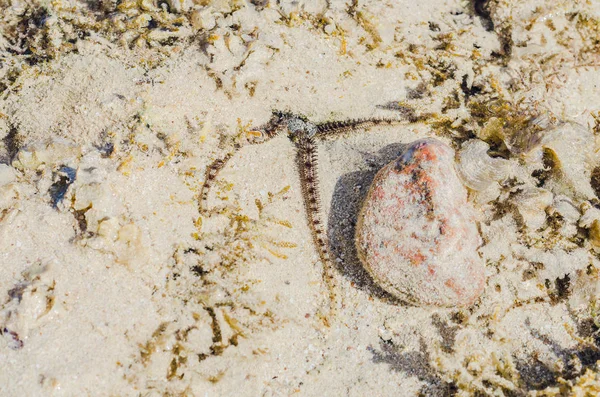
[305,135]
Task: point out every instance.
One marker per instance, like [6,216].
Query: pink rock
[416,232]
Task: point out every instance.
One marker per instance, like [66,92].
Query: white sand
[147,300]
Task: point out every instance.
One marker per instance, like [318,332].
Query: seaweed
[11,143]
[481,9]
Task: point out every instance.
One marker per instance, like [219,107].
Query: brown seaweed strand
[307,165]
[326,130]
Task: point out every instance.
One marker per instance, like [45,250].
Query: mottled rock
[416,232]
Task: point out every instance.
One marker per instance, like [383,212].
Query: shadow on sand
[348,196]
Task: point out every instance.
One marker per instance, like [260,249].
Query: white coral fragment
[7,175]
[8,188]
[591,221]
[569,213]
[50,153]
[573,153]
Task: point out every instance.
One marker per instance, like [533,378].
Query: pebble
[417,233]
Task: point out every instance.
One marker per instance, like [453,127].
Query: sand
[113,283]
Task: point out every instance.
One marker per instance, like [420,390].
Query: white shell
[531,204]
[477,169]
[416,232]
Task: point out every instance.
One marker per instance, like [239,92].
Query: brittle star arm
[269,131]
[210,176]
[334,128]
[306,158]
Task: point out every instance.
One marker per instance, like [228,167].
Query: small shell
[531,204]
[477,169]
[416,232]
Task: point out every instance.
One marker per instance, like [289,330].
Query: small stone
[203,19]
[417,234]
